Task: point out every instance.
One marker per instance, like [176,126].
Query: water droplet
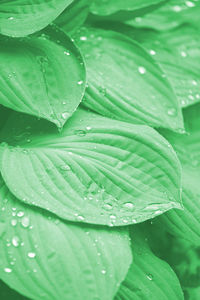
[31,254]
[176,8]
[13,222]
[194,82]
[65,115]
[152,52]
[129,205]
[80,82]
[65,168]
[107,206]
[7,270]
[102,90]
[103,271]
[20,214]
[25,222]
[83,38]
[80,132]
[88,128]
[141,70]
[171,111]
[66,53]
[80,218]
[189,3]
[183,54]
[150,276]
[11,18]
[15,241]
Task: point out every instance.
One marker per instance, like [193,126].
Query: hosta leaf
[170,15]
[148,277]
[177,53]
[124,82]
[54,87]
[96,170]
[108,7]
[73,16]
[45,258]
[186,224]
[8,293]
[19,18]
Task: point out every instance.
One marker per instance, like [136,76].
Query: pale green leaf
[43,75]
[74,16]
[97,170]
[124,81]
[44,258]
[186,224]
[177,52]
[170,15]
[19,18]
[148,277]
[108,7]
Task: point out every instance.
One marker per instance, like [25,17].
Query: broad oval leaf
[177,53]
[171,14]
[73,16]
[108,7]
[19,18]
[55,85]
[148,277]
[97,170]
[124,82]
[45,258]
[186,224]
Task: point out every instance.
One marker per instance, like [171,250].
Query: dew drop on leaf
[141,70]
[7,270]
[15,241]
[31,254]
[25,222]
[150,276]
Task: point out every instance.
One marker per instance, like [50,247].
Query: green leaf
[124,82]
[170,15]
[10,294]
[19,18]
[148,277]
[177,53]
[97,170]
[108,7]
[44,258]
[54,87]
[73,16]
[186,224]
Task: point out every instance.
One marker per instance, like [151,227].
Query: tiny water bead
[141,70]
[80,82]
[171,111]
[25,222]
[83,38]
[15,241]
[65,167]
[66,53]
[190,3]
[176,8]
[80,132]
[20,214]
[128,205]
[152,52]
[150,277]
[65,115]
[31,254]
[13,222]
[7,270]
[103,271]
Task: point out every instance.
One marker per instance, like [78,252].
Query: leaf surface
[108,7]
[54,87]
[171,14]
[148,277]
[19,18]
[44,258]
[186,224]
[124,82]
[177,53]
[97,170]
[73,16]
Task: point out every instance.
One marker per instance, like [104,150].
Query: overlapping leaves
[96,170]
[42,256]
[124,82]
